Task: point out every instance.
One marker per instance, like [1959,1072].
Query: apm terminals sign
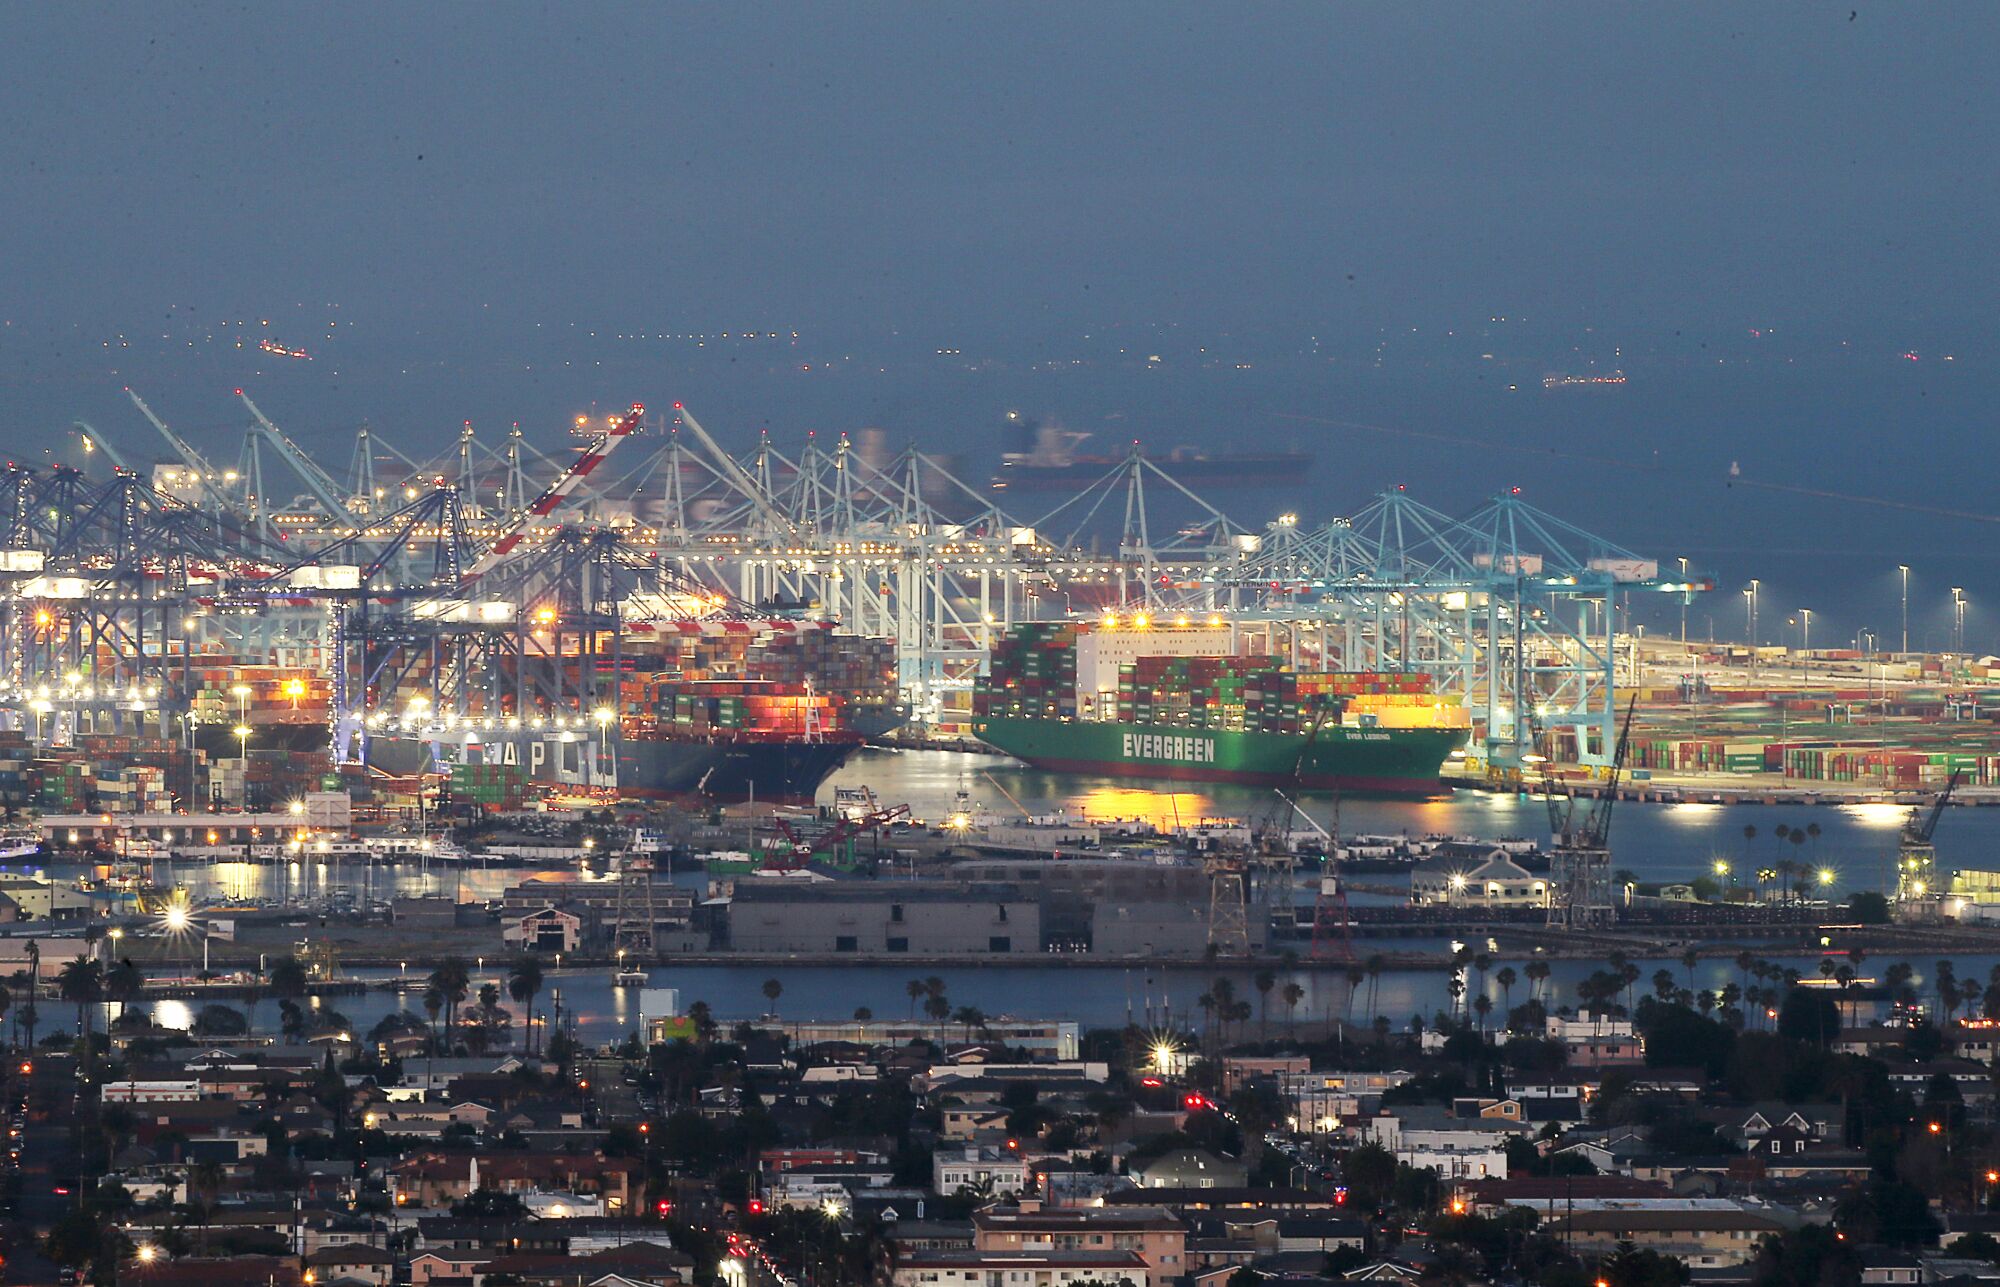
[1161,746]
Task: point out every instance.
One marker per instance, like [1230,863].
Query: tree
[124,982]
[81,983]
[916,991]
[524,984]
[1888,1211]
[1506,978]
[1293,993]
[220,1021]
[288,979]
[1809,1015]
[82,1238]
[772,991]
[1371,1172]
[451,980]
[1264,980]
[971,1017]
[862,1014]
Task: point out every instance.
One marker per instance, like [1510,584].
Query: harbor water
[1657,842]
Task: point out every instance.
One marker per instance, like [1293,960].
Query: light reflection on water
[1658,842]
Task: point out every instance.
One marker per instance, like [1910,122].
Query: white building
[1492,881]
[980,1169]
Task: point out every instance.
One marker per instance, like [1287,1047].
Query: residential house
[1596,1040]
[1159,1238]
[1703,1232]
[981,1169]
[1020,1269]
[1190,1168]
[352,1262]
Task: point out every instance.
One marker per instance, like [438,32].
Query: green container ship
[1354,761]
[1186,703]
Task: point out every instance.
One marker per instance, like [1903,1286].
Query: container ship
[717,710]
[1052,463]
[1181,703]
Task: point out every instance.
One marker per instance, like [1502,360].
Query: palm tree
[772,991]
[1506,978]
[1689,959]
[1225,1003]
[938,1008]
[1663,983]
[1264,980]
[1292,993]
[524,983]
[703,1019]
[205,1185]
[971,1017]
[1356,975]
[1538,974]
[862,1014]
[916,991]
[123,983]
[81,983]
[1483,1005]
[433,1006]
[452,979]
[1375,964]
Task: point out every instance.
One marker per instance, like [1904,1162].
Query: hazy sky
[460,208]
[1013,169]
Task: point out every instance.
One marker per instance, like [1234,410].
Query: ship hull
[787,771]
[1354,761]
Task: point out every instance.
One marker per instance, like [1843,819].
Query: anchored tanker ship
[1181,703]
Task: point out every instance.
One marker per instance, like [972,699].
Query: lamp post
[1904,568]
[1958,620]
[1684,601]
[1805,638]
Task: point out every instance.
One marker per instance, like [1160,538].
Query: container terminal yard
[433,663]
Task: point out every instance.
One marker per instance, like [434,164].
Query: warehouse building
[920,918]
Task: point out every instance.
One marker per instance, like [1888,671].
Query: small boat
[630,977]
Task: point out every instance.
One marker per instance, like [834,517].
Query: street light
[1904,568]
[1958,620]
[1684,601]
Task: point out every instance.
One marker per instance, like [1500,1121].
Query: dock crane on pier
[1580,862]
[1919,891]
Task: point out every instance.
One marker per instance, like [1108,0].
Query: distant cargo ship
[1180,704]
[1558,380]
[1051,462]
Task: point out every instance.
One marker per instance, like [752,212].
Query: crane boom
[317,481]
[204,472]
[730,470]
[581,468]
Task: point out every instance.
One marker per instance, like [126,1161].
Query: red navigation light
[756,1206]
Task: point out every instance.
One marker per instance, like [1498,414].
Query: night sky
[1369,231]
